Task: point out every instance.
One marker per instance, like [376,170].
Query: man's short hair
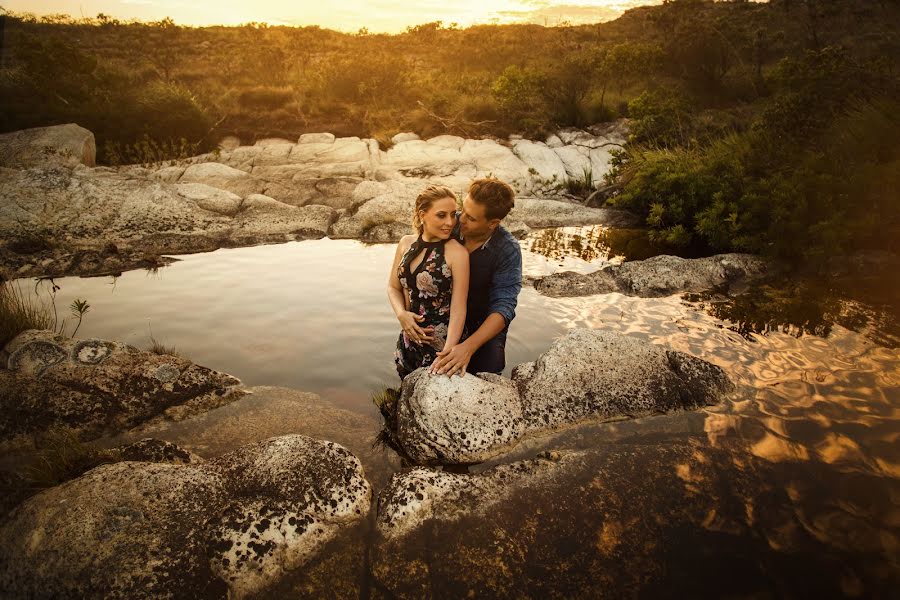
[497,197]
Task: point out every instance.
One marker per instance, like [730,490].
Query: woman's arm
[409,322]
[458,259]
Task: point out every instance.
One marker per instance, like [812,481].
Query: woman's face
[439,219]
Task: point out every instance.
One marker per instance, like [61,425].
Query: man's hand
[452,360]
[409,323]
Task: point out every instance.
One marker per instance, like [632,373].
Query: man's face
[473,223]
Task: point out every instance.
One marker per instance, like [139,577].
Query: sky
[378,16]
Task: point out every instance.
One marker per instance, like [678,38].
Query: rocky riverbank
[62,215]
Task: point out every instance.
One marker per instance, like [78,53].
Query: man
[495,279]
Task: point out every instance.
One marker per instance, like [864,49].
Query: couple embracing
[454,285]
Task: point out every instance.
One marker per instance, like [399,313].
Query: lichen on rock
[231,526]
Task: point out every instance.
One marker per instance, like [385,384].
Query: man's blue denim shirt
[495,278]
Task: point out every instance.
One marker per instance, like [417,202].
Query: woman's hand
[409,323]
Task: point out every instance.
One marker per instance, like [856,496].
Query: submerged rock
[624,520]
[592,373]
[96,386]
[586,374]
[657,276]
[232,526]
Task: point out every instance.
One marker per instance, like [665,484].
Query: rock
[229,143]
[41,146]
[268,142]
[457,420]
[404,137]
[657,276]
[158,451]
[394,205]
[592,373]
[204,172]
[316,138]
[97,386]
[210,198]
[576,159]
[416,496]
[541,159]
[554,213]
[167,174]
[234,525]
[623,520]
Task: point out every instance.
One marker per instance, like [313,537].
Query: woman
[429,282]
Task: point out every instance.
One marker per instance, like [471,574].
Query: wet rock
[40,146]
[232,526]
[158,451]
[416,496]
[666,519]
[97,386]
[657,276]
[593,373]
[457,420]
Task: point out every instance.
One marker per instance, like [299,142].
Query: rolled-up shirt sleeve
[507,283]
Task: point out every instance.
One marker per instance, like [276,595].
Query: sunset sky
[389,16]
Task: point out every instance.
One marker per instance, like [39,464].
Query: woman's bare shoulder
[406,241]
[455,249]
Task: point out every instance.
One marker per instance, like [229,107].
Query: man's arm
[505,288]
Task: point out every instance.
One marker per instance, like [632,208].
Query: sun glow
[377,16]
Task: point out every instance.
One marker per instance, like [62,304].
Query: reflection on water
[590,243]
[800,308]
[818,378]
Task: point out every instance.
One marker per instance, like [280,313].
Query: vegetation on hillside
[767,127]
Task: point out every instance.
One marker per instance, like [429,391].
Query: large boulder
[42,146]
[231,527]
[594,373]
[457,420]
[585,374]
[96,386]
[658,276]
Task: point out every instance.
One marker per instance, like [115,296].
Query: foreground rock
[97,387]
[657,276]
[586,374]
[649,519]
[63,217]
[230,527]
[454,420]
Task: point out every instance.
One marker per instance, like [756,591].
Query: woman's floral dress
[428,288]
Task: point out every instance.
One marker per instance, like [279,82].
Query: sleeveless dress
[428,288]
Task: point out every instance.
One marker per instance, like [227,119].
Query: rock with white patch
[658,276]
[457,420]
[595,373]
[97,386]
[233,526]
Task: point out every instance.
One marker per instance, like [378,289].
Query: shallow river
[818,393]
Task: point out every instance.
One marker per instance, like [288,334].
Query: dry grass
[61,457]
[20,311]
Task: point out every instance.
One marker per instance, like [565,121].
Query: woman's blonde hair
[424,201]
